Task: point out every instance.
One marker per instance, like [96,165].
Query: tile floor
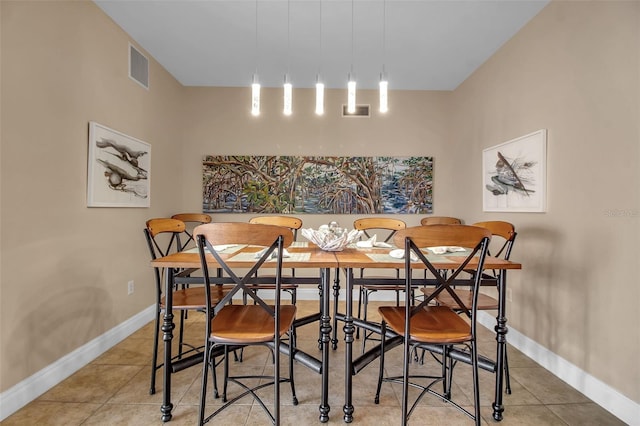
[114,390]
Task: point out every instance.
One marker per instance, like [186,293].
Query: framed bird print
[514,175]
[119,169]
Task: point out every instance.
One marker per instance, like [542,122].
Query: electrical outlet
[509,295]
[130,287]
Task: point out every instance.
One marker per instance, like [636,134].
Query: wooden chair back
[506,231]
[290,222]
[222,233]
[440,220]
[191,220]
[193,217]
[156,227]
[384,223]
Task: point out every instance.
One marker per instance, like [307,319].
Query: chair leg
[276,381]
[359,311]
[154,359]
[292,350]
[365,307]
[183,315]
[447,372]
[476,382]
[203,388]
[383,331]
[226,374]
[214,377]
[405,381]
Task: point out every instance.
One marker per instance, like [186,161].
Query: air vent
[138,67]
[361,111]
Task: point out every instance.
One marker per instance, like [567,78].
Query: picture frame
[118,169]
[293,184]
[514,175]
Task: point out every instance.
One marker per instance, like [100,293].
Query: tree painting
[336,185]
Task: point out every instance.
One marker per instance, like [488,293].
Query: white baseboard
[602,394]
[32,387]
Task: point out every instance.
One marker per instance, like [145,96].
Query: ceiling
[422,45]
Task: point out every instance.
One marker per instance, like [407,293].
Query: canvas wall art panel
[514,175]
[119,169]
[332,185]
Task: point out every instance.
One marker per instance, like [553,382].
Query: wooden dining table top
[242,256]
[314,257]
[356,257]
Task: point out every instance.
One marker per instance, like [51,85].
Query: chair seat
[249,324]
[194,297]
[485,302]
[432,324]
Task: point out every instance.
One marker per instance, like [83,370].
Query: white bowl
[330,241]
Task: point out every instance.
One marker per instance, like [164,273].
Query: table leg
[501,338]
[325,330]
[349,329]
[336,296]
[167,329]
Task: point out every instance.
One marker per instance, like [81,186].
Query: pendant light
[255,96]
[255,85]
[351,84]
[319,84]
[319,97]
[384,84]
[288,88]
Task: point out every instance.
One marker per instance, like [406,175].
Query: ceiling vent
[361,111]
[138,67]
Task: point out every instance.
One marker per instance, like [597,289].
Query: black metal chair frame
[449,355]
[156,252]
[243,283]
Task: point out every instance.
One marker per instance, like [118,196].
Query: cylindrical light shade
[319,98]
[255,96]
[288,89]
[384,100]
[351,95]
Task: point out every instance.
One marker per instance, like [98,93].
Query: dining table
[302,255]
[306,255]
[354,257]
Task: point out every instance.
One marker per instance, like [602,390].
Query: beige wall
[65,267]
[573,70]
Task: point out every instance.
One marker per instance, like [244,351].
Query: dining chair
[191,220]
[504,235]
[293,223]
[440,220]
[370,226]
[230,326]
[163,238]
[438,329]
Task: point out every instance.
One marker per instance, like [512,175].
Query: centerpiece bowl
[330,239]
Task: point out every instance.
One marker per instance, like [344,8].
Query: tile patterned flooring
[114,390]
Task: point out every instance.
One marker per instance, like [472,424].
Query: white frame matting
[118,169]
[514,175]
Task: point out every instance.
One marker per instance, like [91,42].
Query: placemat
[226,249]
[293,257]
[384,257]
